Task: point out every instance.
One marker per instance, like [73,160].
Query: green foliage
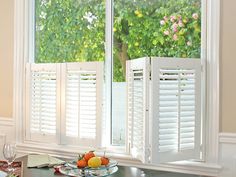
[64,33]
[157,28]
[74,30]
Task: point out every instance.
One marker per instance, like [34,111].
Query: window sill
[190,167]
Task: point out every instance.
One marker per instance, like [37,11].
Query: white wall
[227,154]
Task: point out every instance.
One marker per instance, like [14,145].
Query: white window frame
[211,50]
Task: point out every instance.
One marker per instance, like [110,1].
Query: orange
[82,163]
[88,155]
[105,161]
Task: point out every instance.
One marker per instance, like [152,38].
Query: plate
[87,172]
[102,171]
[71,169]
[112,163]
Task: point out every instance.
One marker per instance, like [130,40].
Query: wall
[6,57]
[228,66]
[7,132]
[227,144]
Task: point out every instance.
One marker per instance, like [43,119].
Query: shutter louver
[88,105]
[137,92]
[64,104]
[72,104]
[83,103]
[176,109]
[43,101]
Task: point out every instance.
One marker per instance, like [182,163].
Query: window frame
[23,52]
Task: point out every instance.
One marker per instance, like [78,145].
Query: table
[122,172]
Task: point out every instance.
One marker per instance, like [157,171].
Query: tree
[74,30]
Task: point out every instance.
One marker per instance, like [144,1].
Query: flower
[179,17]
[162,22]
[180,23]
[89,17]
[165,18]
[166,32]
[195,16]
[175,37]
[172,18]
[175,27]
[43,15]
[189,43]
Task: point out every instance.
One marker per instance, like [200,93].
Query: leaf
[154,42]
[161,40]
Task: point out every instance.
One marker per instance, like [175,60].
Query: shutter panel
[137,92]
[82,94]
[176,105]
[42,102]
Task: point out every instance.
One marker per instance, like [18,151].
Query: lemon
[140,15]
[136,12]
[94,162]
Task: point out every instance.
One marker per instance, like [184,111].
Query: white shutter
[42,102]
[176,106]
[82,103]
[137,92]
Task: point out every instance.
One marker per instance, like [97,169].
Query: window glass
[69,31]
[150,28]
[74,31]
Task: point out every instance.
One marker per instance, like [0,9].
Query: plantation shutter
[137,92]
[176,109]
[42,102]
[82,103]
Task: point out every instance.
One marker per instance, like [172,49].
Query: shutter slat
[82,81]
[43,94]
[166,115]
[176,108]
[137,77]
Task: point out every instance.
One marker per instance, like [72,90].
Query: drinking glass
[9,153]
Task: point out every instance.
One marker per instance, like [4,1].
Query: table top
[122,172]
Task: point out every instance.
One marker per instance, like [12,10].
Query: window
[65,77]
[147,29]
[141,75]
[157,61]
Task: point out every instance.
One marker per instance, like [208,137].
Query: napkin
[42,160]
